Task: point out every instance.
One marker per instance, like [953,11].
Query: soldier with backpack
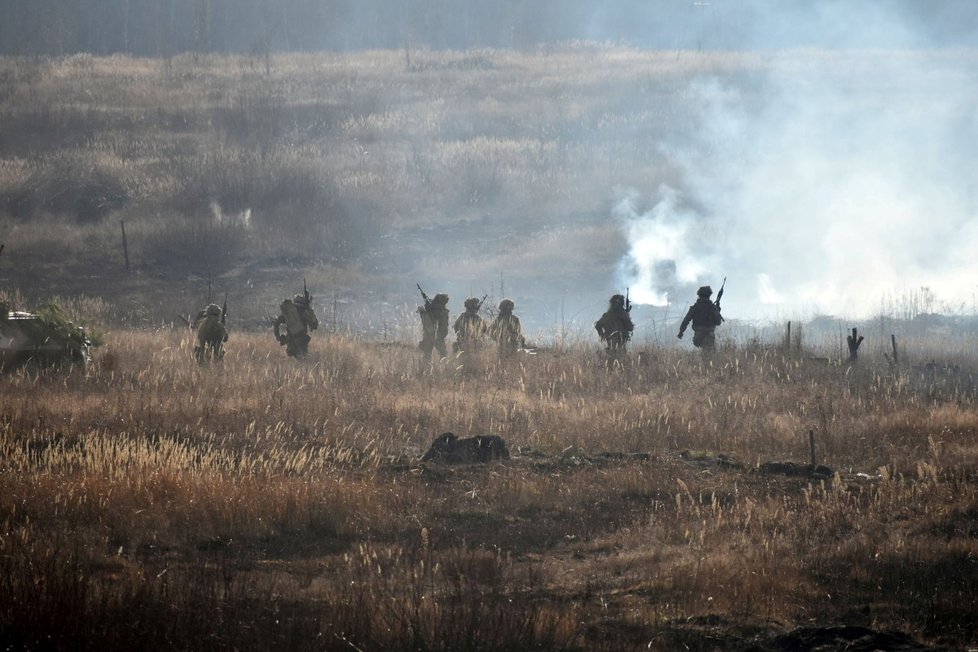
[469,327]
[506,331]
[211,334]
[297,316]
[434,325]
[615,327]
[705,316]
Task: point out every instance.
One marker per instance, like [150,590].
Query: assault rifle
[305,291]
[628,302]
[427,301]
[224,309]
[720,293]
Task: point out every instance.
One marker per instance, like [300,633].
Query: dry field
[265,503]
[268,503]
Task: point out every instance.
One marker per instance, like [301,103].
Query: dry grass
[267,502]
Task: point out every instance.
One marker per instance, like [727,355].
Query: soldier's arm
[688,318]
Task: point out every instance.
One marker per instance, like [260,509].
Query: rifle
[720,293]
[628,302]
[481,301]
[224,309]
[305,291]
[208,289]
[427,301]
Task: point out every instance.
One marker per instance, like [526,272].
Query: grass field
[267,503]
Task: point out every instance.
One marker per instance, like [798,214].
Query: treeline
[162,27]
[165,27]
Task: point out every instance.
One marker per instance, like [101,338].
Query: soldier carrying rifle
[434,325]
[212,332]
[705,316]
[298,317]
[469,327]
[615,327]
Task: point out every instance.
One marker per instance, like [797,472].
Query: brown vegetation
[264,502]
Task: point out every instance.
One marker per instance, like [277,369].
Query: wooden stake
[125,244]
[811,445]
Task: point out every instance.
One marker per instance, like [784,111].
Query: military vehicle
[44,338]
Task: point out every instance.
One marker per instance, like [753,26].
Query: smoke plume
[822,183]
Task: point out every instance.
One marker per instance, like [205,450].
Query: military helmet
[617,299]
[472,303]
[212,310]
[704,291]
[440,299]
[506,305]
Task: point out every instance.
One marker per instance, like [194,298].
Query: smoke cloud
[819,185]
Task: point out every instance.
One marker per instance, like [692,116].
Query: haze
[829,166]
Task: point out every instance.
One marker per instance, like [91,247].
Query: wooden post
[125,244]
[896,360]
[787,338]
[811,445]
[1,249]
[854,341]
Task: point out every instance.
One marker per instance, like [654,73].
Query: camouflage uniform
[298,317]
[705,316]
[505,330]
[469,327]
[434,326]
[211,334]
[615,327]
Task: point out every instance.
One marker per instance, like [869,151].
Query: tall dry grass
[265,501]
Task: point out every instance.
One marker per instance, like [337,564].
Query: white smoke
[822,185]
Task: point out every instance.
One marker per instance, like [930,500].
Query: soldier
[434,326]
[705,315]
[211,334]
[505,330]
[615,327]
[299,319]
[469,327]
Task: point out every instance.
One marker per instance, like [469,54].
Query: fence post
[125,244]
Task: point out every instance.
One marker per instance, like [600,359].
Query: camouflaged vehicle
[45,338]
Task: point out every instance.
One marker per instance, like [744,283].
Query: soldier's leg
[442,348]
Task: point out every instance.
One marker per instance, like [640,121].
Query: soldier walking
[506,331]
[434,326]
[615,328]
[211,334]
[469,327]
[705,316]
[298,317]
